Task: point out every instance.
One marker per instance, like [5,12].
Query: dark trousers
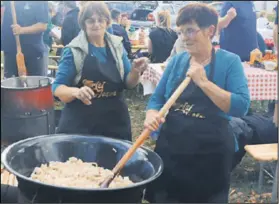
[36,65]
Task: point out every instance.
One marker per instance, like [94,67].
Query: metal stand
[274,196]
[273,172]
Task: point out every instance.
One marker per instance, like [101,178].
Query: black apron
[197,148]
[108,114]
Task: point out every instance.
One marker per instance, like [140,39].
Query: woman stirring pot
[195,141]
[93,72]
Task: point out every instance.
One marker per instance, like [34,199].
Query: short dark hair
[115,14]
[123,15]
[199,13]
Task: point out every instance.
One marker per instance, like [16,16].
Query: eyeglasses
[190,32]
[91,21]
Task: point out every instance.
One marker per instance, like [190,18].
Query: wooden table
[137,47]
[262,84]
[265,153]
[57,46]
[54,57]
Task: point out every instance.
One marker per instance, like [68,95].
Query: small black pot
[22,157]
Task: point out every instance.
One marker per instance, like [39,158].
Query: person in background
[70,26]
[118,30]
[224,22]
[262,21]
[179,46]
[275,30]
[58,18]
[32,19]
[125,22]
[162,38]
[261,44]
[93,72]
[195,141]
[272,104]
[240,36]
[47,34]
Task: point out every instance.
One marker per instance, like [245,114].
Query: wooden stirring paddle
[146,132]
[19,56]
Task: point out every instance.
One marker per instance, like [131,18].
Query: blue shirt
[28,13]
[240,37]
[67,69]
[229,75]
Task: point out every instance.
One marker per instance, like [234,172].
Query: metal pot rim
[138,184]
[51,80]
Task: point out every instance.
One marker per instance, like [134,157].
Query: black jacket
[162,43]
[120,31]
[241,131]
[57,19]
[263,127]
[70,27]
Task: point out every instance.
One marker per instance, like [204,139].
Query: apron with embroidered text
[197,147]
[108,114]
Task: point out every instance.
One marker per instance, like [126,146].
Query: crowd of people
[210,123]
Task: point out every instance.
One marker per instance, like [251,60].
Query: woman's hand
[197,73]
[85,94]
[140,65]
[153,120]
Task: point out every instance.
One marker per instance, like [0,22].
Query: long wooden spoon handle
[146,132]
[18,46]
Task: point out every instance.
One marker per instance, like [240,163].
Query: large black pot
[22,157]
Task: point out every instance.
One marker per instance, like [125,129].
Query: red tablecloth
[262,84]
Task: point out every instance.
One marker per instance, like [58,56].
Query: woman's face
[96,26]
[195,38]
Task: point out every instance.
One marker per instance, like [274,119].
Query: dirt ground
[244,179]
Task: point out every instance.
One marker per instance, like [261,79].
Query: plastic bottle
[134,37]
